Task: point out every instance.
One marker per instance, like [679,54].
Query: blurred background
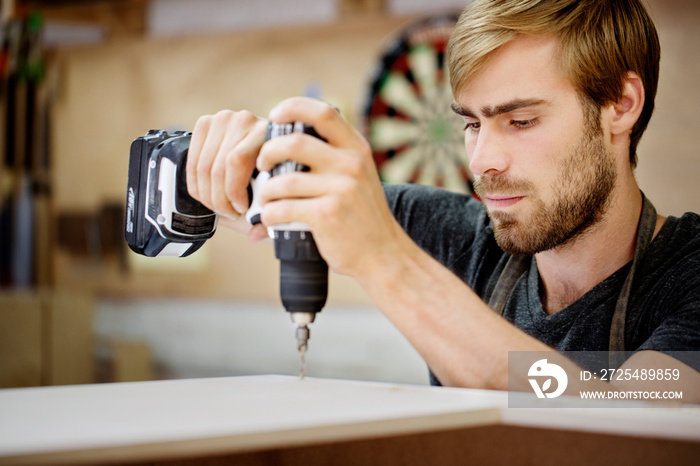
[82,79]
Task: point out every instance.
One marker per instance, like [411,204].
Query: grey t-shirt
[664,309]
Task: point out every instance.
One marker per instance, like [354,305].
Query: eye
[472,126]
[522,124]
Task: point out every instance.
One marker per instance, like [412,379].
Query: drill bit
[302,366]
[302,334]
[301,321]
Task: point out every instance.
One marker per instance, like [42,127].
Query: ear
[628,108]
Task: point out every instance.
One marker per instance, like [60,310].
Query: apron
[517,265]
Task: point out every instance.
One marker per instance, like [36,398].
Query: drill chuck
[303,272]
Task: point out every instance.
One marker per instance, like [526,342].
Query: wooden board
[148,421]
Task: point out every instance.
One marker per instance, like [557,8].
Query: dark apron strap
[645,232]
[517,265]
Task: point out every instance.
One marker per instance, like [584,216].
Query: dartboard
[415,136]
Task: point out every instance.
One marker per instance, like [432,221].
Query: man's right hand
[220,162]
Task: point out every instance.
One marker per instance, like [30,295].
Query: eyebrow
[488,112]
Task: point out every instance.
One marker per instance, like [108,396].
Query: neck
[570,271]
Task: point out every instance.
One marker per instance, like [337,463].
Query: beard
[582,193]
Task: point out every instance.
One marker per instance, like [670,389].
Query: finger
[201,128]
[238,224]
[219,201]
[232,165]
[288,211]
[209,153]
[302,148]
[300,185]
[240,164]
[257,233]
[325,119]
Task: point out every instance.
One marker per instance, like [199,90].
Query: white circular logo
[541,369]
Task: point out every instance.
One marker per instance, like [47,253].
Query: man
[555,96]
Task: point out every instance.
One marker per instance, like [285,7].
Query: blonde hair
[600,41]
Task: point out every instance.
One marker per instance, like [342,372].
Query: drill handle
[275,130]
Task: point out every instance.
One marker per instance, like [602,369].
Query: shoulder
[677,245]
[687,225]
[668,288]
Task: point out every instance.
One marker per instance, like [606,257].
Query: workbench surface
[215,416]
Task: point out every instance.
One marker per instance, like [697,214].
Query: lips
[496,201]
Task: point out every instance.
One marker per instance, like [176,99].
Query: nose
[487,152]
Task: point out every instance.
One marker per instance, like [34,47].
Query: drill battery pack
[162,219]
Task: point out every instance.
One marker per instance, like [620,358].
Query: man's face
[541,163]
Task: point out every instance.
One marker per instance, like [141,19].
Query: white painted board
[227,415]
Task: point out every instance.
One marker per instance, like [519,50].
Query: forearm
[460,338]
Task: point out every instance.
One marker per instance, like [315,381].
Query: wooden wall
[110,94]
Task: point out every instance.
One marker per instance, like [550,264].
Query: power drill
[162,219]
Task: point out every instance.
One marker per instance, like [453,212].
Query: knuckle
[294,143]
[236,159]
[245,117]
[348,187]
[202,122]
[291,182]
[327,113]
[204,165]
[273,213]
[329,206]
[218,170]
[355,168]
[223,115]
